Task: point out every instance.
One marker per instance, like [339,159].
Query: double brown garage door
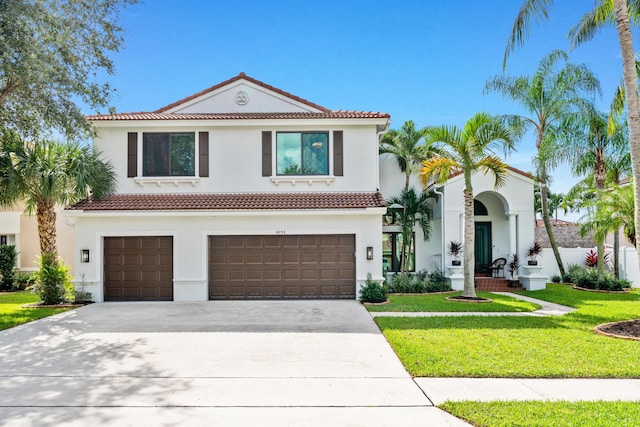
[240,267]
[282,266]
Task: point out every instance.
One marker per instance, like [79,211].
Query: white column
[513,233]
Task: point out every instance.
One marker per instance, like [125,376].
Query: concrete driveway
[223,363]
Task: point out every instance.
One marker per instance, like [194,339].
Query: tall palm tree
[43,174]
[605,13]
[555,96]
[416,209]
[468,150]
[592,148]
[407,145]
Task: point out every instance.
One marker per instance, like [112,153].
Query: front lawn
[12,314]
[546,347]
[546,414]
[439,303]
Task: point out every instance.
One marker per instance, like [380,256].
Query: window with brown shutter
[338,156]
[132,154]
[203,153]
[266,153]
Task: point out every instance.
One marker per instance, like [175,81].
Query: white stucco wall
[258,100]
[190,233]
[235,157]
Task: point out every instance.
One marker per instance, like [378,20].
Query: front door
[483,246]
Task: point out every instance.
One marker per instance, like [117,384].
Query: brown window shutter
[338,157]
[203,149]
[132,154]
[266,153]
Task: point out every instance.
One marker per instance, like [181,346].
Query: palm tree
[468,150]
[408,147]
[555,97]
[605,12]
[416,208]
[592,149]
[44,174]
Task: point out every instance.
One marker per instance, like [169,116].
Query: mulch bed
[628,329]
[625,291]
[468,299]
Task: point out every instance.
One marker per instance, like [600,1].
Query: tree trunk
[46,218]
[616,253]
[469,245]
[600,176]
[633,102]
[547,221]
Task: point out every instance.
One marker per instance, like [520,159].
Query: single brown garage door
[272,267]
[138,268]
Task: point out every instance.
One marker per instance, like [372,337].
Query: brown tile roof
[224,201]
[241,76]
[337,114]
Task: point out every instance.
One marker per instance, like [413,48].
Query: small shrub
[52,280]
[438,282]
[23,281]
[592,258]
[8,257]
[572,271]
[81,295]
[587,277]
[556,279]
[373,291]
[400,283]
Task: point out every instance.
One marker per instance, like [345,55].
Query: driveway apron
[223,363]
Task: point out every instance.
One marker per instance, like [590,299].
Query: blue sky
[425,61]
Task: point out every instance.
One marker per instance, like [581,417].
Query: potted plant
[513,266]
[455,249]
[533,252]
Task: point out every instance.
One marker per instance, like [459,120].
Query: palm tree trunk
[547,222]
[469,245]
[616,253]
[46,219]
[600,176]
[633,101]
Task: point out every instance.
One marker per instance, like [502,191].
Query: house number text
[281,231]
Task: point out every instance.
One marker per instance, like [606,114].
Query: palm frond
[532,10]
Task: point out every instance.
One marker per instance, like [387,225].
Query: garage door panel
[287,266]
[138,268]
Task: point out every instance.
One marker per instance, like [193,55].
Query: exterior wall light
[84,255]
[369,252]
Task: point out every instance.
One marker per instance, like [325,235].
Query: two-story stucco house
[240,191]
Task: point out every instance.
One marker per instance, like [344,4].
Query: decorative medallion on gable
[242,98]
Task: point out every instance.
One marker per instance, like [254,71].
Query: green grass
[548,347]
[438,302]
[546,414]
[12,313]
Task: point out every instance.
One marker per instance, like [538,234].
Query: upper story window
[168,154]
[302,153]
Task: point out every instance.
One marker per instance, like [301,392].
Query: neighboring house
[241,191]
[21,230]
[504,218]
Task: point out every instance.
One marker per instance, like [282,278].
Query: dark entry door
[483,246]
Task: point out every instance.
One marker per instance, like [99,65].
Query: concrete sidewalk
[547,309]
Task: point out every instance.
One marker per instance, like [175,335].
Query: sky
[424,60]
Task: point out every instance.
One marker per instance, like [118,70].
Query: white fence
[628,262]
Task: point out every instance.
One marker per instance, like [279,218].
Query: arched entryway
[492,230]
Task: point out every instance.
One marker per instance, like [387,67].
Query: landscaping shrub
[587,277]
[438,282]
[556,279]
[8,256]
[22,281]
[52,280]
[400,283]
[373,291]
